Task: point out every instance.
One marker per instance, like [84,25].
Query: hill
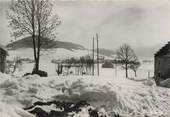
[106,52]
[52,49]
[47,44]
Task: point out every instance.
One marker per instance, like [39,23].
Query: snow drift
[123,96]
[165,83]
[7,110]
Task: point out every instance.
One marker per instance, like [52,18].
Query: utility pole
[115,68]
[97,54]
[148,74]
[93,56]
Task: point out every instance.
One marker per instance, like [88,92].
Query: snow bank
[7,110]
[127,101]
[165,83]
[119,95]
[149,82]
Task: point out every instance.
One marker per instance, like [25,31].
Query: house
[162,63]
[3,54]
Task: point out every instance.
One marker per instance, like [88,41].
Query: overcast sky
[137,22]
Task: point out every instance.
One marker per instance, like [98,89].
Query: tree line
[82,65]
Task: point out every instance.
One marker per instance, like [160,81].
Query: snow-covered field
[47,55]
[144,71]
[117,72]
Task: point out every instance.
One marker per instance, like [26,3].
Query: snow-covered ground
[127,97]
[7,110]
[145,70]
[47,55]
[111,91]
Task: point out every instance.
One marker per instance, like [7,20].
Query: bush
[26,74]
[41,73]
[107,64]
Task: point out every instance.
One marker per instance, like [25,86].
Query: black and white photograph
[84,58]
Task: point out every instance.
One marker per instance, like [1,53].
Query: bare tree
[126,56]
[33,18]
[135,65]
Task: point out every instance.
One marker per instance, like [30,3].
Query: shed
[107,64]
[162,63]
[3,54]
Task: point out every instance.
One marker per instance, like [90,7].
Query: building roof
[164,50]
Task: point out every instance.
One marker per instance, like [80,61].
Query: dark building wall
[156,69]
[162,68]
[2,60]
[162,63]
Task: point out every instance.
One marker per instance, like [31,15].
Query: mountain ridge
[47,44]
